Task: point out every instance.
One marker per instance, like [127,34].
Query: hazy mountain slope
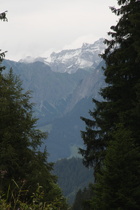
[50,90]
[65,135]
[61,98]
[72,176]
[88,87]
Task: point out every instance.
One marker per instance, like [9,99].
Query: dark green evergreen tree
[20,157]
[112,135]
[118,183]
[121,96]
[82,199]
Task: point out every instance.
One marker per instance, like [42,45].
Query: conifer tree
[118,183]
[21,160]
[121,96]
[2,54]
[112,135]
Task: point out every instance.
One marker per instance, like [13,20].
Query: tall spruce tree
[121,97]
[112,136]
[118,183]
[21,160]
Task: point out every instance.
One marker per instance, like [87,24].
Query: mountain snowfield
[71,60]
[63,86]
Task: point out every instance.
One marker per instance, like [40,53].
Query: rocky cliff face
[72,60]
[50,90]
[88,87]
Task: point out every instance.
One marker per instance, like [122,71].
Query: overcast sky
[38,27]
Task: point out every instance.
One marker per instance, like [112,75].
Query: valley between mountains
[63,86]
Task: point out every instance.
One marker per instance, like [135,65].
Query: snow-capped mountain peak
[73,59]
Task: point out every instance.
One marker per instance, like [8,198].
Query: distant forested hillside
[72,176]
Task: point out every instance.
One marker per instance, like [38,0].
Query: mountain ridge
[70,60]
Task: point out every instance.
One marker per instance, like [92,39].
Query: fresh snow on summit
[71,60]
